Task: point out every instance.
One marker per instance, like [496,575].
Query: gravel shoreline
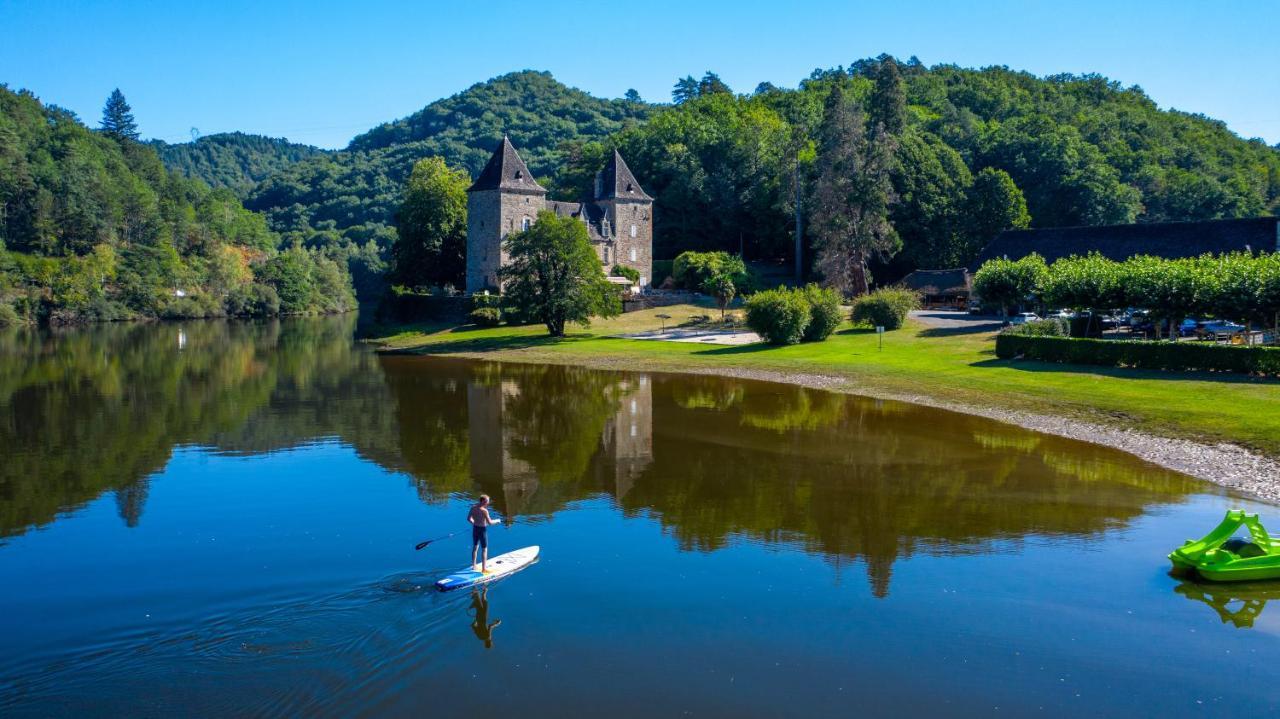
[1226,465]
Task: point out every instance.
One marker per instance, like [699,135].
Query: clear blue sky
[321,72]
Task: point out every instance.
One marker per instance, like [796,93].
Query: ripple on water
[285,660]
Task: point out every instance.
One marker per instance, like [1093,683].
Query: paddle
[420,545]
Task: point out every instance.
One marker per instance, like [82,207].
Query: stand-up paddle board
[499,567]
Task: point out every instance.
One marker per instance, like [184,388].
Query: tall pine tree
[851,196]
[117,118]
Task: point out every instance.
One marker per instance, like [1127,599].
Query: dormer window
[520,175]
[630,188]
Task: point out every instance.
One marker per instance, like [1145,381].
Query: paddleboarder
[480,521]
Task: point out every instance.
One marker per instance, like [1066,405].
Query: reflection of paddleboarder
[481,625]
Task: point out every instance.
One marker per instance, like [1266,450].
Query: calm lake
[219,518]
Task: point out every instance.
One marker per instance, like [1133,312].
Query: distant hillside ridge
[234,160]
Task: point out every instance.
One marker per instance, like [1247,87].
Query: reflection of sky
[270,575]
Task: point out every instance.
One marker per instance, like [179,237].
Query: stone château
[505,199]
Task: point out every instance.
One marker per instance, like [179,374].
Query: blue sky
[321,72]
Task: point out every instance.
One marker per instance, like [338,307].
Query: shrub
[691,270]
[779,316]
[887,307]
[1052,327]
[824,312]
[630,273]
[1182,356]
[486,316]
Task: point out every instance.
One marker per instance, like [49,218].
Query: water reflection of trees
[100,408]
[712,459]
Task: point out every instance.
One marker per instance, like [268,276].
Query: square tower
[628,217]
[503,199]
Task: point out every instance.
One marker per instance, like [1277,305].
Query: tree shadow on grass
[1129,373]
[752,348]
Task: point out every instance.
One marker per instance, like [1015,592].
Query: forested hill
[92,226]
[233,159]
[1075,149]
[352,196]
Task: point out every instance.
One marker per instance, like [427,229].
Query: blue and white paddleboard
[498,567]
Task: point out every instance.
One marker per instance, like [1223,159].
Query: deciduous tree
[554,275]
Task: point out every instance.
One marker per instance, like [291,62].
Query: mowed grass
[947,365]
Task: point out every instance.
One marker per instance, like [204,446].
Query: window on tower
[524,223]
[633,254]
[633,230]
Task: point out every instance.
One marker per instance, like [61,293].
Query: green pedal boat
[1222,557]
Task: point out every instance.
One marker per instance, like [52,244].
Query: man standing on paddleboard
[480,521]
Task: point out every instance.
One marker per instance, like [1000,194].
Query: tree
[711,84]
[432,226]
[117,118]
[851,196]
[888,105]
[994,204]
[721,287]
[632,96]
[1010,282]
[686,89]
[555,276]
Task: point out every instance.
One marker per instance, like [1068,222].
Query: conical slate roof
[616,181]
[506,171]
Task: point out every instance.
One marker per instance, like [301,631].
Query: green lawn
[946,365]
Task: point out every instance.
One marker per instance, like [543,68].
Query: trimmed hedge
[1178,356]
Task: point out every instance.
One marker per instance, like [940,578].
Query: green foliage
[234,160]
[886,307]
[1008,283]
[1051,327]
[432,227]
[97,229]
[554,276]
[117,118]
[779,316]
[8,315]
[1082,283]
[692,270]
[824,312]
[721,287]
[485,316]
[1175,356]
[630,273]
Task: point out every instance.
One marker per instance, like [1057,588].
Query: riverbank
[1221,428]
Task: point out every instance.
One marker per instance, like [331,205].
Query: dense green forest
[965,153]
[350,198]
[973,148]
[233,159]
[93,227]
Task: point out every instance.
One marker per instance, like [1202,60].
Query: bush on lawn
[1182,356]
[486,316]
[887,307]
[1052,327]
[824,312]
[779,316]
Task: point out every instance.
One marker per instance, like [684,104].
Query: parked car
[1023,318]
[1221,327]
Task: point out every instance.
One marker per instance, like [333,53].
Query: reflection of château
[625,447]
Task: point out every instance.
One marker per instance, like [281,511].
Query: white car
[1023,318]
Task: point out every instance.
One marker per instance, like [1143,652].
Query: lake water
[219,518]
